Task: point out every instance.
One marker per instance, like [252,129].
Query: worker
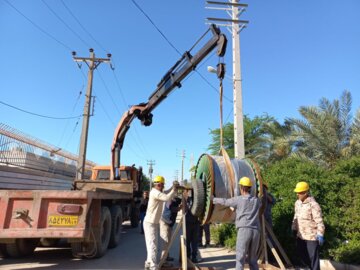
[205,228]
[143,207]
[270,202]
[152,218]
[167,221]
[307,226]
[247,223]
[192,229]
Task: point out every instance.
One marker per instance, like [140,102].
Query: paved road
[130,254]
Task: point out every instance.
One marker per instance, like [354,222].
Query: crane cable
[221,74]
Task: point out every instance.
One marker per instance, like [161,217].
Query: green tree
[254,136]
[327,133]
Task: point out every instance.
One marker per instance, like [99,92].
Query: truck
[90,215]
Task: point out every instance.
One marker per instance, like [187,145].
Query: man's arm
[231,202]
[317,216]
[294,225]
[166,197]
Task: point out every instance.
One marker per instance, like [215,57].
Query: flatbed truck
[90,215]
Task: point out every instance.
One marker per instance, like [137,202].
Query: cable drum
[213,172]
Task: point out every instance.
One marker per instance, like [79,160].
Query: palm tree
[279,140]
[327,132]
[254,133]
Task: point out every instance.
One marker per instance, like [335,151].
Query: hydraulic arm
[169,82]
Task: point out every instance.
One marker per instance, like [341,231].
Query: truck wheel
[76,249]
[135,217]
[49,242]
[3,252]
[102,234]
[116,226]
[22,247]
[198,205]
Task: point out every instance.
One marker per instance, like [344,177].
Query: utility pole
[150,163]
[234,25]
[182,155]
[92,62]
[182,164]
[176,175]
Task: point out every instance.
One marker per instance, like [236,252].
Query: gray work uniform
[248,228]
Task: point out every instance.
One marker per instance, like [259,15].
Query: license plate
[55,220]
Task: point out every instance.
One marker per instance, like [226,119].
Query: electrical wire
[114,126]
[86,31]
[126,104]
[38,27]
[68,121]
[137,140]
[157,28]
[39,115]
[67,26]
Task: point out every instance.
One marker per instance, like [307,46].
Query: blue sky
[292,53]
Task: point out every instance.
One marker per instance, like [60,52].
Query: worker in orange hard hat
[247,223]
[308,226]
[152,218]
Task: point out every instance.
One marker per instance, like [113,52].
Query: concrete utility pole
[150,163]
[234,25]
[182,165]
[92,62]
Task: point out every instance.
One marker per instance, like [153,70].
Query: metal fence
[18,149]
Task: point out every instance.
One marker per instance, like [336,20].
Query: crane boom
[169,82]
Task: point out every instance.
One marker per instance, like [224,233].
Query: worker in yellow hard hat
[247,223]
[157,198]
[308,226]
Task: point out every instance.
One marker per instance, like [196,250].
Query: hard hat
[301,187]
[245,181]
[159,180]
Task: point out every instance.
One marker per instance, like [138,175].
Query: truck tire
[102,234]
[49,242]
[22,247]
[116,226]
[135,217]
[198,205]
[76,249]
[3,252]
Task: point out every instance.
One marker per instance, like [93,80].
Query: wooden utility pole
[92,62]
[234,9]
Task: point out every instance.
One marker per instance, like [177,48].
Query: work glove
[320,239]
[176,185]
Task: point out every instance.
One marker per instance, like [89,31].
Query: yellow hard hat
[301,187]
[159,180]
[245,181]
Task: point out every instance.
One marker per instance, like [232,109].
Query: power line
[73,109]
[163,35]
[157,28]
[86,31]
[126,104]
[136,139]
[67,26]
[39,115]
[38,27]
